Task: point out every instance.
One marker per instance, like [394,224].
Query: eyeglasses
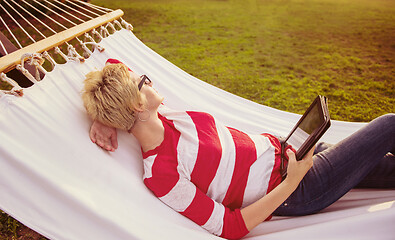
[144,80]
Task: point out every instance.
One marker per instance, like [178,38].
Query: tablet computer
[310,128]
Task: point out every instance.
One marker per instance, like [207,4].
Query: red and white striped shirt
[207,171]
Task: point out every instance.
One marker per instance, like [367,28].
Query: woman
[223,179]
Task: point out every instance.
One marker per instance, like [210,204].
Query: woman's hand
[298,169]
[104,136]
[258,211]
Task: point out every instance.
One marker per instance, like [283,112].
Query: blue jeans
[364,159]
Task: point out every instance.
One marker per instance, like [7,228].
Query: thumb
[291,155]
[92,136]
[114,140]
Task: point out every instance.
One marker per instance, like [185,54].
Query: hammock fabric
[56,181]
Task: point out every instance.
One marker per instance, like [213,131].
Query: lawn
[280,53]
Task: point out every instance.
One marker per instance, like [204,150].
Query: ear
[140,108]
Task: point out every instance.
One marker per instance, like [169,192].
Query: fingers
[100,142]
[309,156]
[109,148]
[104,136]
[92,135]
[105,143]
[308,159]
[297,169]
[291,155]
[114,140]
[311,152]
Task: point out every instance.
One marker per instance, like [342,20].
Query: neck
[150,133]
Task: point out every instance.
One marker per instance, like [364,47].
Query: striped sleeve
[191,202]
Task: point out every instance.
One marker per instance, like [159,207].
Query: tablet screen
[312,121]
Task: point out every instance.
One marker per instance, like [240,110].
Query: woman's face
[154,99]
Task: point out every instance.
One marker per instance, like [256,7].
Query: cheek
[153,98]
[158,98]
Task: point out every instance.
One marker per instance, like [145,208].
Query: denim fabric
[364,159]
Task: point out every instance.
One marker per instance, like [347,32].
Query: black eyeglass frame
[143,81]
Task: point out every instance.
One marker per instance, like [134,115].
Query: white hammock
[55,181]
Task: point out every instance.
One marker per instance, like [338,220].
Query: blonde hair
[111,96]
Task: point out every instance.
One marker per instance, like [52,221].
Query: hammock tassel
[117,23]
[58,51]
[16,89]
[73,54]
[95,46]
[127,25]
[35,60]
[49,58]
[104,32]
[94,32]
[87,52]
[87,36]
[110,25]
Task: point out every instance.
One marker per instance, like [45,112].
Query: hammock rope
[49,9]
[99,8]
[11,17]
[69,15]
[93,13]
[66,12]
[1,43]
[30,14]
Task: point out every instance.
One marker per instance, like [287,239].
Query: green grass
[11,229]
[8,226]
[280,53]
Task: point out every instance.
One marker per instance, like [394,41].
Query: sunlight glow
[381,206]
